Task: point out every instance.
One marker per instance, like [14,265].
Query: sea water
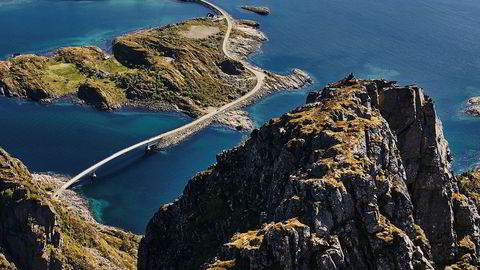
[433,43]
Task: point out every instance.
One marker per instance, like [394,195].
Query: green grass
[111,65]
[63,78]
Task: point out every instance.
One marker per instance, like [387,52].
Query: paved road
[198,122]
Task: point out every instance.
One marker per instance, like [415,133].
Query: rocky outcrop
[102,95]
[231,67]
[358,178]
[39,233]
[297,79]
[238,120]
[258,10]
[250,23]
[23,77]
[473,106]
[426,158]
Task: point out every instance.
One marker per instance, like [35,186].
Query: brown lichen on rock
[358,178]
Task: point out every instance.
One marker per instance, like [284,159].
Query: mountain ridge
[358,178]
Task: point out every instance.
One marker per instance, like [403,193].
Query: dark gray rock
[322,187]
[258,10]
[231,67]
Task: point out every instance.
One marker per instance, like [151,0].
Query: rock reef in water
[39,233]
[473,106]
[258,10]
[358,178]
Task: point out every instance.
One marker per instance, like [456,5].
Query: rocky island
[259,10]
[179,67]
[358,178]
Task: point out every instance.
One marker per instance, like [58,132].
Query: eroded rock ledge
[358,178]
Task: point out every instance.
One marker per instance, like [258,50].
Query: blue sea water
[66,139]
[40,26]
[433,43]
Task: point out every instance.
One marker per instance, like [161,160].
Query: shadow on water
[117,167]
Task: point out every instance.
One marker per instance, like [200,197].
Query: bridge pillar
[148,148]
[93,176]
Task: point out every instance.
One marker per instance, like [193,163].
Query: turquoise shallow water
[433,43]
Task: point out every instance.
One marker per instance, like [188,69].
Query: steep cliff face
[39,233]
[358,178]
[426,159]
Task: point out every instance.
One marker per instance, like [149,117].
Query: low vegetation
[179,66]
[469,185]
[48,232]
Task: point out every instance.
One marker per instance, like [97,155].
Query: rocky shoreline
[75,202]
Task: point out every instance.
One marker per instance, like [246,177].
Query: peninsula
[194,67]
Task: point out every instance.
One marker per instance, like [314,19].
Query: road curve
[259,74]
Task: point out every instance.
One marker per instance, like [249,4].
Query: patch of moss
[420,234]
[247,240]
[5,264]
[389,232]
[469,185]
[62,78]
[222,265]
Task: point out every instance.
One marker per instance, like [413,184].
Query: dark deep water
[433,43]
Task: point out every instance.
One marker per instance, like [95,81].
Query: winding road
[259,74]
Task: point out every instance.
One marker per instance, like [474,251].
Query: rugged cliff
[39,233]
[358,178]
